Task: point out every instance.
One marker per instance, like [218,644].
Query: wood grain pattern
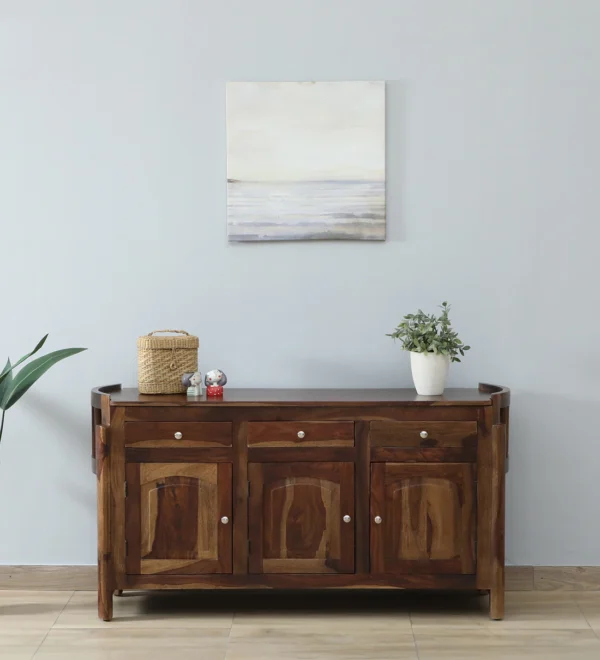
[361,505]
[484,500]
[180,507]
[520,578]
[49,578]
[117,482]
[302,581]
[428,514]
[440,434]
[305,397]
[295,454]
[296,516]
[162,434]
[133,520]
[316,434]
[300,489]
[96,421]
[176,455]
[291,412]
[103,392]
[240,501]
[424,455]
[497,517]
[105,568]
[566,578]
[499,394]
[517,578]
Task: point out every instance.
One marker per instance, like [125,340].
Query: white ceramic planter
[429,372]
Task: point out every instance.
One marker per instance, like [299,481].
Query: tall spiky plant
[14,385]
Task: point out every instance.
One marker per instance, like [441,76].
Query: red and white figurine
[214,381]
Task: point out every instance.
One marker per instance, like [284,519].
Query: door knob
[377,520]
[346,518]
[224,520]
[178,435]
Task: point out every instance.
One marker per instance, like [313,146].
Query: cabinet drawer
[301,434]
[177,434]
[423,434]
[443,442]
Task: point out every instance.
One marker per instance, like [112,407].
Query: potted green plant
[14,385]
[432,344]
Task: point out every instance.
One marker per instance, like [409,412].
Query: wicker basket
[162,361]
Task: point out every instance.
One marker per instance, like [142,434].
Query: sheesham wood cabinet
[301,489]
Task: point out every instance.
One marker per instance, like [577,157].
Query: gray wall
[112,204]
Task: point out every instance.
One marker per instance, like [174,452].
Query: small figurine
[214,381]
[193,382]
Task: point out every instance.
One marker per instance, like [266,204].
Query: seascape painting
[306,160]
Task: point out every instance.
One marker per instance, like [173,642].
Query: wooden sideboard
[301,489]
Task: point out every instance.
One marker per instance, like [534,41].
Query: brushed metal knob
[346,518]
[424,434]
[301,434]
[378,520]
[178,435]
[224,520]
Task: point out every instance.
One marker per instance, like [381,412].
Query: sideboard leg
[105,568]
[105,602]
[497,603]
[119,592]
[498,479]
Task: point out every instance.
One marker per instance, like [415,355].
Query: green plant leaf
[6,381]
[32,372]
[8,368]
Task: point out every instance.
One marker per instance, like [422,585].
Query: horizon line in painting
[306,161]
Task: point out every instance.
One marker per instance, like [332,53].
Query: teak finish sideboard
[301,489]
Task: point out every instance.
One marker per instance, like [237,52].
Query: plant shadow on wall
[69,428]
[14,385]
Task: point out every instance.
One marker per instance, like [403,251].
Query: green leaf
[7,368]
[32,372]
[6,381]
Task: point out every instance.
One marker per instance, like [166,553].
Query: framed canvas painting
[306,160]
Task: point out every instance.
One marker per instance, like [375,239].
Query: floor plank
[566,578]
[31,609]
[504,643]
[142,610]
[43,625]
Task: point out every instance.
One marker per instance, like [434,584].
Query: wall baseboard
[49,578]
[84,578]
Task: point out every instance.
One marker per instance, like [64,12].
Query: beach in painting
[306,161]
[284,211]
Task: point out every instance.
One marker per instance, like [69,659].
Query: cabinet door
[178,518]
[422,518]
[301,517]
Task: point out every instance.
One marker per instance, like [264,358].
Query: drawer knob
[346,518]
[224,520]
[377,520]
[424,434]
[178,435]
[301,434]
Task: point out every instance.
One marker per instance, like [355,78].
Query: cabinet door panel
[173,518]
[296,517]
[427,516]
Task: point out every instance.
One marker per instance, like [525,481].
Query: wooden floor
[62,625]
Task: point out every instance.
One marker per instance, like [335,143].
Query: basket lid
[182,340]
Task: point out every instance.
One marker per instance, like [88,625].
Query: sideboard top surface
[302,397]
